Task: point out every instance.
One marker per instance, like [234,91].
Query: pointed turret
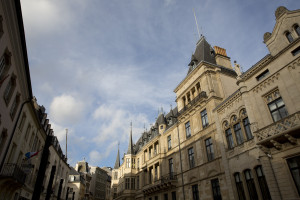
[117,163]
[203,52]
[130,147]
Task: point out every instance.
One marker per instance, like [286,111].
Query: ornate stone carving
[266,82]
[279,11]
[267,35]
[279,127]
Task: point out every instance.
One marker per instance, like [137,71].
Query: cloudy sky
[96,65]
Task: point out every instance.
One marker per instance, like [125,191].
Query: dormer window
[297,29]
[289,37]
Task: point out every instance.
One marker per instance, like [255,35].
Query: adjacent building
[28,148]
[233,134]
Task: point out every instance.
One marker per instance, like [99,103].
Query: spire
[130,148]
[117,163]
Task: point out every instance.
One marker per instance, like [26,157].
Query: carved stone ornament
[267,35]
[279,11]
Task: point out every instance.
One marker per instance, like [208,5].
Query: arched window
[250,184]
[228,135]
[262,183]
[289,36]
[297,29]
[239,186]
[246,124]
[237,130]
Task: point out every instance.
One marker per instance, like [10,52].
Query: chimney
[222,58]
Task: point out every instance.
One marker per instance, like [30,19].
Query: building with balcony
[24,128]
[233,134]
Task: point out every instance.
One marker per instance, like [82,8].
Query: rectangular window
[195,192]
[294,165]
[262,75]
[216,189]
[204,118]
[247,128]
[145,155]
[171,166]
[133,163]
[191,157]
[229,138]
[188,129]
[133,183]
[21,125]
[150,152]
[263,183]
[239,186]
[156,173]
[15,106]
[277,109]
[209,149]
[138,163]
[174,195]
[250,184]
[127,162]
[137,182]
[9,89]
[166,196]
[3,138]
[296,51]
[2,66]
[127,183]
[169,142]
[238,133]
[27,131]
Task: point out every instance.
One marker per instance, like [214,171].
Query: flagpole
[66,143]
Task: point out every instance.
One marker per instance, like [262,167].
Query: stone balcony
[14,173]
[163,183]
[280,132]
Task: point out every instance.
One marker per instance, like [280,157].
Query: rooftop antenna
[196,23]
[66,143]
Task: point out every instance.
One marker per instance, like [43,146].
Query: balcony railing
[162,183]
[13,171]
[284,130]
[202,95]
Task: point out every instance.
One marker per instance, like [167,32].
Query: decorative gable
[284,32]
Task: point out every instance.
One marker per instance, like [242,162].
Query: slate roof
[203,52]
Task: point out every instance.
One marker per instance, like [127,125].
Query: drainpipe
[13,133]
[180,162]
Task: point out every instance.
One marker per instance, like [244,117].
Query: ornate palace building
[232,135]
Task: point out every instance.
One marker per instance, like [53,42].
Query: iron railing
[202,95]
[12,170]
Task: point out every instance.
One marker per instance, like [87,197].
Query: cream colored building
[233,135]
[23,123]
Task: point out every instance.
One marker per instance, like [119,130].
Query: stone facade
[24,127]
[232,135]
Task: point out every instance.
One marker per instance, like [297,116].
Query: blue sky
[96,65]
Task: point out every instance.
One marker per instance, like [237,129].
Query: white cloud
[65,109]
[95,157]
